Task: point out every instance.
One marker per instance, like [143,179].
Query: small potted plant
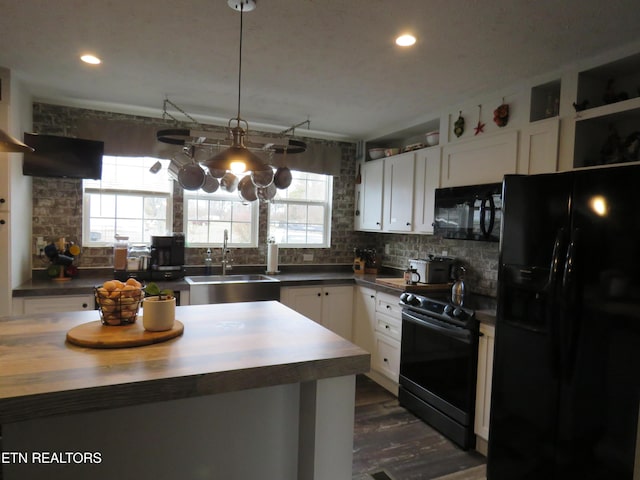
[159,309]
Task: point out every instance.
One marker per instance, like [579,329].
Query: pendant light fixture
[237,158]
[11,144]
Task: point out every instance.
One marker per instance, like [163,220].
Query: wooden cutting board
[96,335]
[400,283]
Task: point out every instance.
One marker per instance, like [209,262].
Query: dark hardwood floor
[390,439]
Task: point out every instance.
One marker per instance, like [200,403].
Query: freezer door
[600,386]
[526,364]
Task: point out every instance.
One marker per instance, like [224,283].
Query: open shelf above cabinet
[608,129]
[545,101]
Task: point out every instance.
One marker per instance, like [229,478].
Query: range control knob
[459,313]
[404,297]
[448,309]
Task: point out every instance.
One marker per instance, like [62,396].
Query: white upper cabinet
[398,192]
[371,195]
[427,179]
[480,160]
[539,147]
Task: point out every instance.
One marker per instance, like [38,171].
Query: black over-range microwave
[472,212]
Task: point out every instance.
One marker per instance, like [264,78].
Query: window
[300,216]
[129,200]
[208,215]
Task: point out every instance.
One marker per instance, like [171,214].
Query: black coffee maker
[167,257]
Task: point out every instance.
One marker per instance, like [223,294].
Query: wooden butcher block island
[249,390]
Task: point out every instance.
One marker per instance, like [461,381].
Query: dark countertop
[87,280]
[323,275]
[224,348]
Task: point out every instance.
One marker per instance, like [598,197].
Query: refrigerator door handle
[554,317]
[571,307]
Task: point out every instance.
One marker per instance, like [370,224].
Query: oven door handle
[453,332]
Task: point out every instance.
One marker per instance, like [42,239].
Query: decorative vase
[158,315]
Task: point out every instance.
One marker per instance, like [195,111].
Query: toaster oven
[433,269]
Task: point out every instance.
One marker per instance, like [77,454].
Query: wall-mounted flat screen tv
[56,156]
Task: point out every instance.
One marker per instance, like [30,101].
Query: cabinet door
[478,161]
[305,300]
[371,195]
[337,310]
[483,384]
[5,259]
[61,303]
[398,193]
[386,357]
[427,179]
[364,311]
[539,147]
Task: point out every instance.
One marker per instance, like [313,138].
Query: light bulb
[237,166]
[405,40]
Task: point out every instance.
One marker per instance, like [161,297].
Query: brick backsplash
[57,203]
[57,211]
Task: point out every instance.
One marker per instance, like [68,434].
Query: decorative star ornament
[479,128]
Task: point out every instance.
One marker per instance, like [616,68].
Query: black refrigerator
[566,378]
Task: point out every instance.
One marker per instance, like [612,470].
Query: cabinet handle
[326,293]
[84,305]
[319,294]
[389,307]
[2,200]
[2,222]
[408,224]
[387,327]
[377,223]
[386,360]
[372,296]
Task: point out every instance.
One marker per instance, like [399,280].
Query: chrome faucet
[225,251]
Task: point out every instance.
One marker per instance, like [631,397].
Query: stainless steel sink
[214,279]
[209,289]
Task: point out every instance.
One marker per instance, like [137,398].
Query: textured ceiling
[332,62]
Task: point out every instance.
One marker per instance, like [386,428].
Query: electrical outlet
[40,244]
[444,253]
[307,257]
[387,249]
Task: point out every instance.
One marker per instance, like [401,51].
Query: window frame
[328,209]
[86,206]
[226,197]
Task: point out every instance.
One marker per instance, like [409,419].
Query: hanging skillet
[282,178]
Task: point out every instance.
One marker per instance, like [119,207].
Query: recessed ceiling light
[92,59]
[405,40]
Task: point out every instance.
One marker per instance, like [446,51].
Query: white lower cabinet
[387,331]
[364,317]
[483,386]
[53,304]
[330,306]
[386,356]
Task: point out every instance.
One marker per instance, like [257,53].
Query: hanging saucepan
[282,178]
[229,182]
[246,189]
[262,177]
[211,183]
[191,176]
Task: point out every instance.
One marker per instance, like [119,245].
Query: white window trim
[327,218]
[107,191]
[255,224]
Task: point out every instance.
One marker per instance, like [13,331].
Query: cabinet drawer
[388,304]
[62,303]
[388,326]
[386,357]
